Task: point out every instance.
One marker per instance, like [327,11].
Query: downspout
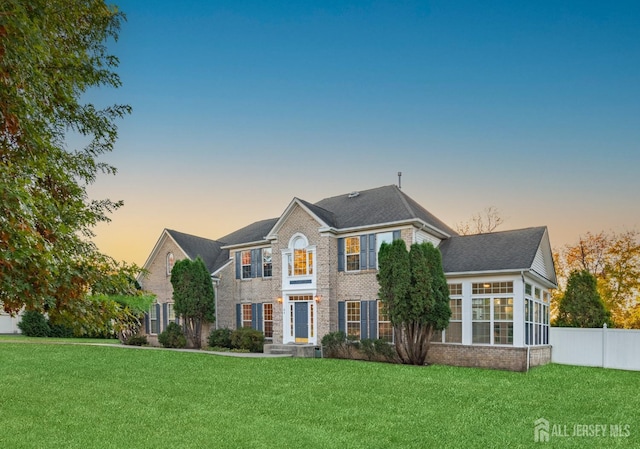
[215,293]
[525,319]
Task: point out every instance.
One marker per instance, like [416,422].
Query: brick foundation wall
[494,357]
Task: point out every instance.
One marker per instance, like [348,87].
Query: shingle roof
[506,250]
[381,205]
[252,233]
[208,250]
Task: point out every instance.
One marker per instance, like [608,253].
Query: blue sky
[238,106]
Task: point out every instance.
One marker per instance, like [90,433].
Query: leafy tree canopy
[614,260]
[51,53]
[581,305]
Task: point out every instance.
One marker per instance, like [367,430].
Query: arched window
[169,263]
[301,261]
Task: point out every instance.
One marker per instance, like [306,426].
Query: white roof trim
[409,222]
[163,236]
[262,243]
[272,235]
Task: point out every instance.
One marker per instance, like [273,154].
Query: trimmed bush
[340,346]
[220,338]
[137,340]
[172,337]
[60,331]
[247,338]
[34,324]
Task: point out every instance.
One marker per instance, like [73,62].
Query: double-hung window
[352,251]
[267,263]
[453,333]
[246,264]
[492,309]
[353,319]
[267,313]
[246,315]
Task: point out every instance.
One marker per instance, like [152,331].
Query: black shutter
[238,266]
[363,252]
[238,316]
[259,263]
[373,319]
[165,318]
[364,322]
[396,235]
[341,255]
[259,317]
[372,251]
[254,263]
[147,323]
[254,316]
[342,324]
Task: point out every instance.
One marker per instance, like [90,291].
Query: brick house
[312,271]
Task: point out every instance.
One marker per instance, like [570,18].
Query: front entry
[301,320]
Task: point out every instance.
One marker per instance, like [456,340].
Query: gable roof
[387,204]
[253,233]
[193,246]
[496,251]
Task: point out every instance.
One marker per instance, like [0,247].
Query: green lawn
[71,396]
[18,338]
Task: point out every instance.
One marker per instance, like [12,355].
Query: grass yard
[71,396]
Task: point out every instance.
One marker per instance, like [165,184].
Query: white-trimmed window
[169,263]
[352,253]
[245,264]
[385,330]
[153,319]
[353,319]
[453,333]
[300,262]
[536,316]
[492,313]
[267,263]
[171,314]
[503,321]
[267,318]
[481,322]
[246,315]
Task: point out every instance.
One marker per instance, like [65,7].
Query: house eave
[411,222]
[247,244]
[512,271]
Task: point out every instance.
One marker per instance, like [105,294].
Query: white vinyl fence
[608,348]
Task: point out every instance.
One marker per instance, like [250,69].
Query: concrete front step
[296,350]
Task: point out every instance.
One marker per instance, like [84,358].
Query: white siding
[538,264]
[422,236]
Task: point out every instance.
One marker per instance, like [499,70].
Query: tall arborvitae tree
[51,53]
[581,305]
[194,297]
[414,289]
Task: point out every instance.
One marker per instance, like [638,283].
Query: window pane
[299,262]
[456,309]
[481,332]
[436,337]
[385,331]
[455,289]
[353,318]
[267,314]
[481,308]
[503,333]
[352,251]
[267,265]
[503,309]
[453,333]
[246,315]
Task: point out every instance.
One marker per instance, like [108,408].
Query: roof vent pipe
[400,180]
